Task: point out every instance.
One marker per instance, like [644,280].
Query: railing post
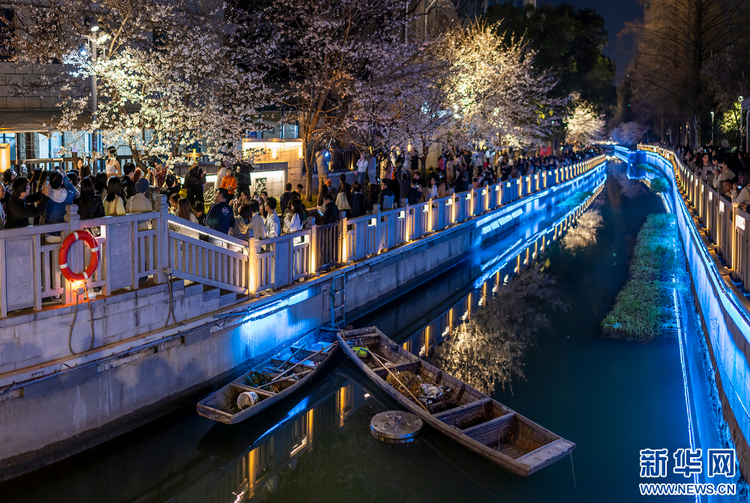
[377,230]
[162,239]
[314,261]
[135,248]
[4,279]
[407,234]
[76,258]
[252,266]
[344,240]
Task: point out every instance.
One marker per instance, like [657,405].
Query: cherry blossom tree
[322,54]
[498,95]
[468,86]
[165,75]
[629,133]
[584,124]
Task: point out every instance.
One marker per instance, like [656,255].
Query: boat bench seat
[490,431]
[457,414]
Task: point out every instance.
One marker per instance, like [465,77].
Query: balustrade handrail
[725,225]
[207,231]
[157,244]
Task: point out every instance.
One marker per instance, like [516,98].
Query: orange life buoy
[65,248]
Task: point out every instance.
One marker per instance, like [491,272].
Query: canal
[519,319]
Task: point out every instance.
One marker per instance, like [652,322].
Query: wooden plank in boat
[348,334]
[293,361]
[546,454]
[488,432]
[457,414]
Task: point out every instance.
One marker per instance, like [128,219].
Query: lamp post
[94,28]
[712,127]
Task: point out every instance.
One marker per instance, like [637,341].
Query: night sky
[615,13]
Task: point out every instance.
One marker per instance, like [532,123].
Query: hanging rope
[572,469]
[75,317]
[170,289]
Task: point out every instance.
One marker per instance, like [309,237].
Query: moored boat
[271,381]
[452,407]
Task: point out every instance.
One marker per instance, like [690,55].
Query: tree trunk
[308,172]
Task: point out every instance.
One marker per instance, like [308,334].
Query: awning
[33,121]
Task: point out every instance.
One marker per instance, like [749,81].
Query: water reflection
[482,339]
[583,234]
[253,475]
[488,349]
[630,188]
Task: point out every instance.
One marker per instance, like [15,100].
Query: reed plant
[644,308]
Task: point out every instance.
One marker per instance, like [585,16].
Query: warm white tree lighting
[584,124]
[164,75]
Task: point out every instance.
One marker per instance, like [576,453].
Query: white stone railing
[725,226]
[156,245]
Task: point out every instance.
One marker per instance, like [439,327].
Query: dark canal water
[519,319]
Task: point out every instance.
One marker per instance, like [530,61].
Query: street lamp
[712,127]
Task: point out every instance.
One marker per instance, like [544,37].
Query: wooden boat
[467,416]
[273,380]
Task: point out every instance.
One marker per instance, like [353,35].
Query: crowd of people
[43,196]
[728,173]
[401,182]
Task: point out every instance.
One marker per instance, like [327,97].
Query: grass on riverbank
[659,184]
[644,308]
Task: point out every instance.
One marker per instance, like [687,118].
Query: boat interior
[477,416]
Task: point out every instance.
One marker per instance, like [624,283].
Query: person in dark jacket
[171,186]
[415,192]
[243,171]
[20,207]
[403,185]
[458,182]
[331,213]
[90,204]
[344,186]
[194,185]
[395,187]
[358,201]
[385,191]
[372,191]
[220,217]
[128,181]
[286,197]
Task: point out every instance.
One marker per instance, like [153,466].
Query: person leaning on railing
[61,194]
[23,205]
[331,211]
[741,197]
[220,216]
[114,205]
[273,225]
[90,203]
[294,216]
[241,227]
[358,201]
[257,224]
